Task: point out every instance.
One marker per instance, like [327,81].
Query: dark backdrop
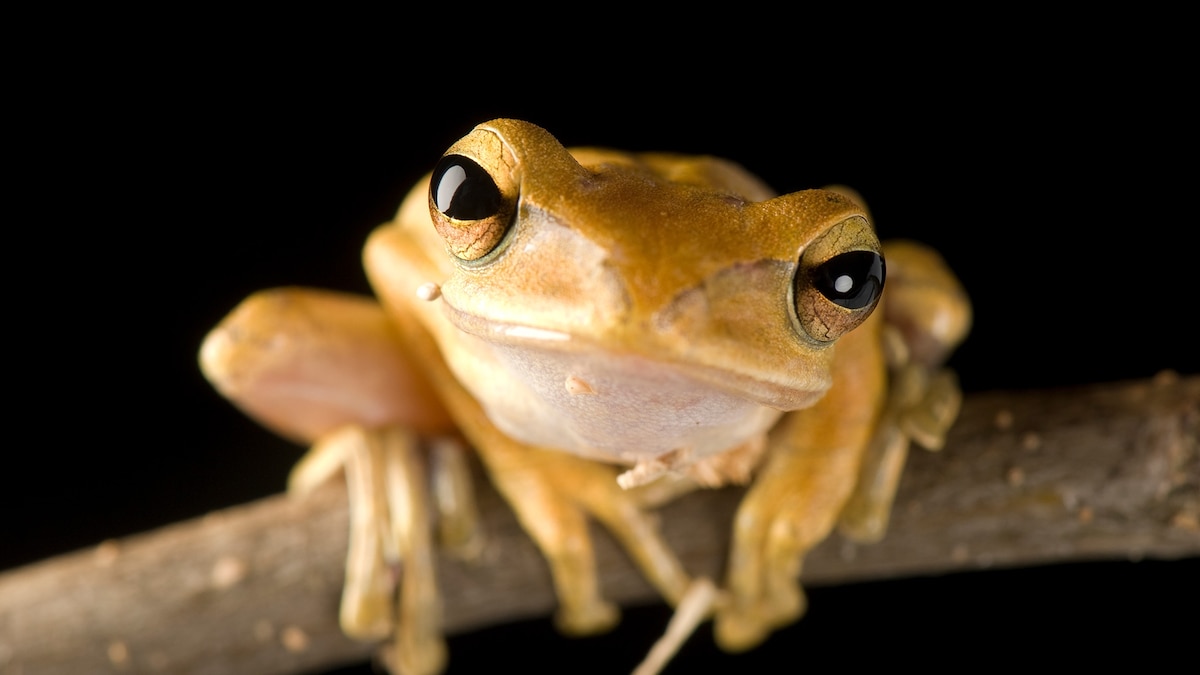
[164,195]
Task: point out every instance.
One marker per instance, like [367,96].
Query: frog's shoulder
[706,171]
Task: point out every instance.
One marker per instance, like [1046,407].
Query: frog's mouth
[583,366]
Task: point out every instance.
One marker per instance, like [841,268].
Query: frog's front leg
[810,472]
[328,369]
[926,315]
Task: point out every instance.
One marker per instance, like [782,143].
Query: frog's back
[714,173]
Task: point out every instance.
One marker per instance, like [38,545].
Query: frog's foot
[390,589]
[552,494]
[656,481]
[763,592]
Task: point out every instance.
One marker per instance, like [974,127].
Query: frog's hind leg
[328,369]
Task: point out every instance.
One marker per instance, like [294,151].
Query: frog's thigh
[304,362]
[794,504]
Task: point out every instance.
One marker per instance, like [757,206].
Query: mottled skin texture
[611,330]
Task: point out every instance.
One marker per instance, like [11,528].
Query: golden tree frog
[605,330]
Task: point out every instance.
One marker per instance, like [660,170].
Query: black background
[166,184]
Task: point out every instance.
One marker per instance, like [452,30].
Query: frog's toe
[596,617]
[928,421]
[742,628]
[739,630]
[744,624]
[418,653]
[785,605]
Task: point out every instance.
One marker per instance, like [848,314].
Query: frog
[603,331]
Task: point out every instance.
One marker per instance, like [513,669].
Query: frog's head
[606,280]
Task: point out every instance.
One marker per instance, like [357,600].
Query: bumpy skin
[598,321]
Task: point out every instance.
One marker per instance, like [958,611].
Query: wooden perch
[1101,472]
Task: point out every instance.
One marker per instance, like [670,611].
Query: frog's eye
[471,209]
[462,190]
[839,280]
[852,280]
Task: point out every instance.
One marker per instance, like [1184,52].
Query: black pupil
[853,280]
[463,190]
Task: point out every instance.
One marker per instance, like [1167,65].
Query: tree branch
[1100,472]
